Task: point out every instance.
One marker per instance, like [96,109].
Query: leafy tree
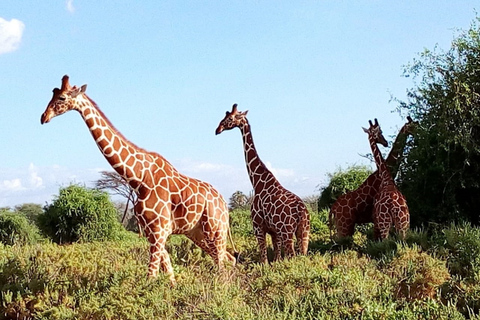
[441,176]
[80,214]
[30,210]
[342,181]
[239,200]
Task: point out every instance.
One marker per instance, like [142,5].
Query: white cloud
[70,7]
[278,173]
[10,34]
[39,184]
[11,185]
[35,180]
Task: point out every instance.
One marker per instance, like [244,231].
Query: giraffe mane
[117,132]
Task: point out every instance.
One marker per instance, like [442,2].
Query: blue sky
[311,74]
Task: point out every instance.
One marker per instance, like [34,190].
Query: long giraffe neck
[380,162]
[395,156]
[125,158]
[257,170]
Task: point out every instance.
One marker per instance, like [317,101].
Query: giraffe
[356,207]
[275,210]
[168,202]
[390,206]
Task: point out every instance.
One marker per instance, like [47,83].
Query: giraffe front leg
[262,244]
[159,257]
[157,237]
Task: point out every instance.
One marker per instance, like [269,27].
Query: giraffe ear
[366,130]
[76,91]
[83,88]
[245,112]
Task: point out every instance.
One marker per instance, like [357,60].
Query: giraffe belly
[184,219]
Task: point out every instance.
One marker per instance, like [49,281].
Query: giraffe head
[375,132]
[62,101]
[409,127]
[232,119]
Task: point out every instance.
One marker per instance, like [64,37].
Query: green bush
[15,229]
[416,274]
[342,181]
[441,175]
[80,214]
[108,281]
[462,244]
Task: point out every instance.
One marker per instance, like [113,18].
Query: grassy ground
[433,275]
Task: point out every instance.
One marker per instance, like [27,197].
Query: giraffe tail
[236,254]
[330,222]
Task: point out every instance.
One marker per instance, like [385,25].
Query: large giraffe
[275,210]
[168,202]
[390,206]
[356,207]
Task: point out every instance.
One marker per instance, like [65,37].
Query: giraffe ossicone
[275,210]
[168,202]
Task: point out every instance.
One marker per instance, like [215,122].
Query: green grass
[416,279]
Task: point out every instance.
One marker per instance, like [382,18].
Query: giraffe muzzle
[45,118]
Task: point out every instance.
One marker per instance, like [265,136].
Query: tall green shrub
[16,229]
[441,177]
[80,214]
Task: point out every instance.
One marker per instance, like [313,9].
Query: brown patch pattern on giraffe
[390,206]
[168,201]
[275,210]
[356,207]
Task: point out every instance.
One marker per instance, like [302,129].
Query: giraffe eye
[61,98]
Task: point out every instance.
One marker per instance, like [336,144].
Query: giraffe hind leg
[303,235]
[288,244]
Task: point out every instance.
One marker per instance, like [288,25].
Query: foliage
[462,245]
[441,178]
[15,229]
[340,182]
[80,214]
[416,274]
[107,280]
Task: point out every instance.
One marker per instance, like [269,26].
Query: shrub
[416,274]
[80,214]
[462,244]
[15,229]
